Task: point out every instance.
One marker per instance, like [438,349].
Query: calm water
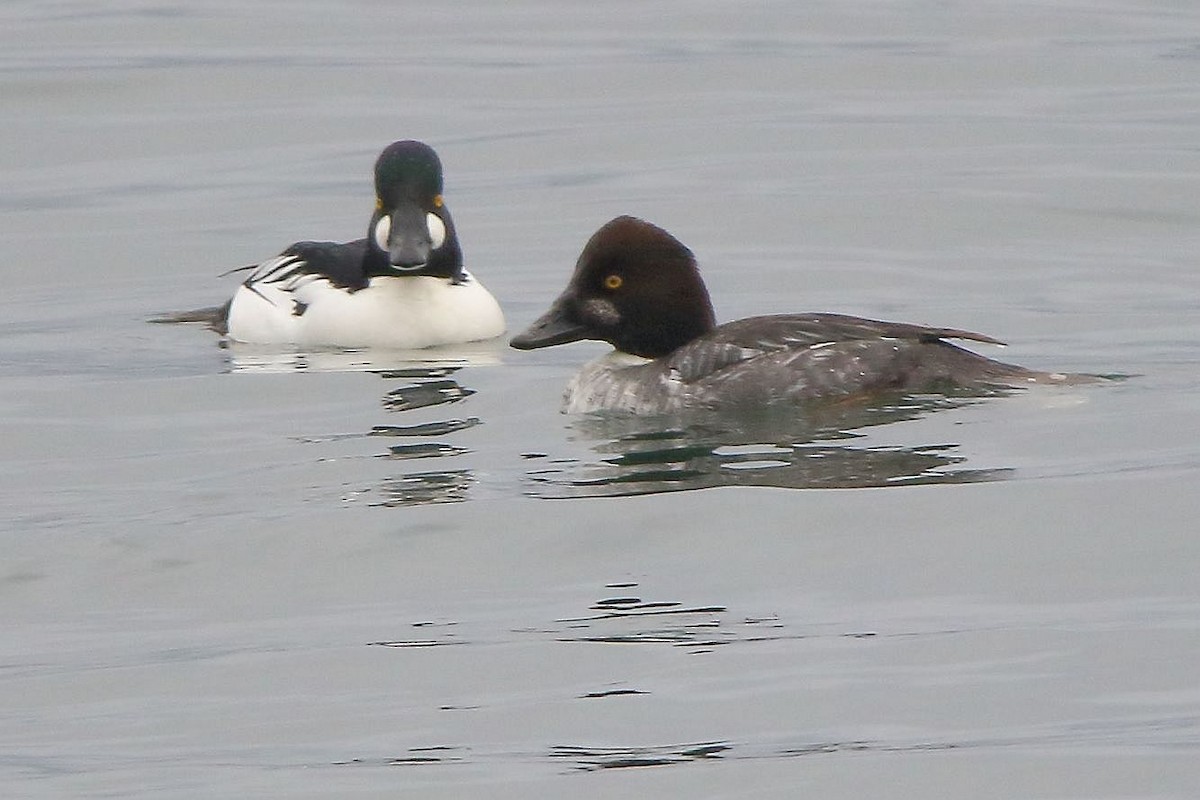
[260,573]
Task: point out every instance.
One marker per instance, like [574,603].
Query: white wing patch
[276,279]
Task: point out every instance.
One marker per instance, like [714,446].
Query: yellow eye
[613,282]
[437,201]
[379,204]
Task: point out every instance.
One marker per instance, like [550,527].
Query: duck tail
[215,317]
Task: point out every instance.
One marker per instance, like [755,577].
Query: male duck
[403,286]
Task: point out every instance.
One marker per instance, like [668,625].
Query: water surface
[263,573]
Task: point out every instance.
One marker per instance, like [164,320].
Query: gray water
[231,572]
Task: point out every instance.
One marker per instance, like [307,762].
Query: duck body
[402,286]
[787,359]
[638,288]
[284,302]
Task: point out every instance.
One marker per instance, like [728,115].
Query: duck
[638,288]
[401,286]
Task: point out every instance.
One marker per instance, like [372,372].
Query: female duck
[637,287]
[402,286]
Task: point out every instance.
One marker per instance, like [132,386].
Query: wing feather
[744,339]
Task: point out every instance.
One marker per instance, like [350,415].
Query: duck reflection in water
[813,450]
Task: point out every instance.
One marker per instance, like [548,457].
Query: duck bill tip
[553,327]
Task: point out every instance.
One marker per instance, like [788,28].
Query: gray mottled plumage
[638,288]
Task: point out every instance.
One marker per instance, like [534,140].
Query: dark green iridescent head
[408,170]
[411,232]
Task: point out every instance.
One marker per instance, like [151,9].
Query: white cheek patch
[437,230]
[383,229]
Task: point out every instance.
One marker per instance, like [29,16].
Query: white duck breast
[400,312]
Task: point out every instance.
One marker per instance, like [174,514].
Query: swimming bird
[402,286]
[638,288]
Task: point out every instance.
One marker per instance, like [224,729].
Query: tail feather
[215,317]
[959,365]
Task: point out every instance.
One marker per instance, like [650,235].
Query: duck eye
[437,201]
[613,282]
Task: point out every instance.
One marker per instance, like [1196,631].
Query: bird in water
[638,288]
[403,285]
